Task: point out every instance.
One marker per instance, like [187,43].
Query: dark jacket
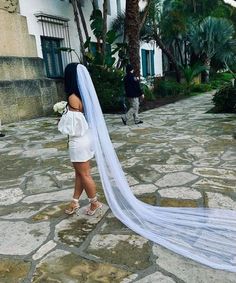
[132,86]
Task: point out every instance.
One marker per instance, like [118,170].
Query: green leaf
[87,43]
[111,36]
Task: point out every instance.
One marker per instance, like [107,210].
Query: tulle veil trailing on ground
[202,234]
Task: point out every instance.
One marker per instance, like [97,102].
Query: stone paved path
[180,156]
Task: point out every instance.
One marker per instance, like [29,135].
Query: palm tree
[213,37]
[77,20]
[104,30]
[132,27]
[151,31]
[81,14]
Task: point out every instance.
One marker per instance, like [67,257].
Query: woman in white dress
[74,124]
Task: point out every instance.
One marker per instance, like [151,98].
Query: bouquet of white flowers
[60,107]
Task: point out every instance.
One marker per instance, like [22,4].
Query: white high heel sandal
[73,207]
[91,212]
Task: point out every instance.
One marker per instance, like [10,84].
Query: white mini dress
[74,124]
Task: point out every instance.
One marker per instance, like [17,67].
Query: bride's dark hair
[70,80]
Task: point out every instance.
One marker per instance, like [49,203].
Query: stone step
[20,68]
[27,99]
[16,41]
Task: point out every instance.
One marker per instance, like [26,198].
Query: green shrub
[149,94]
[168,88]
[225,99]
[201,87]
[219,80]
[219,83]
[109,87]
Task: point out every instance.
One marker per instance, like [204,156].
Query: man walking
[133,92]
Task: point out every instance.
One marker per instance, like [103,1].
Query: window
[93,48]
[147,62]
[82,3]
[52,57]
[55,42]
[95,3]
[108,7]
[118,5]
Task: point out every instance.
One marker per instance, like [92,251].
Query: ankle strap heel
[90,211]
[93,200]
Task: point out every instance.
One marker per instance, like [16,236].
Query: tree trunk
[81,14]
[132,23]
[75,9]
[104,30]
[170,57]
[194,6]
[145,14]
[180,51]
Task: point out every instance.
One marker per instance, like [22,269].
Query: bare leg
[78,186]
[82,170]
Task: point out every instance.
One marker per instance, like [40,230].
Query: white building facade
[52,23]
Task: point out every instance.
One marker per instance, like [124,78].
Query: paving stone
[13,270]
[15,151]
[156,277]
[189,271]
[180,193]
[2,144]
[129,279]
[50,212]
[207,162]
[63,195]
[176,159]
[180,197]
[40,183]
[113,225]
[143,189]
[12,167]
[74,230]
[44,250]
[229,155]
[21,238]
[21,211]
[64,267]
[216,173]
[10,196]
[171,168]
[130,162]
[131,180]
[176,179]
[213,184]
[111,248]
[217,200]
[42,153]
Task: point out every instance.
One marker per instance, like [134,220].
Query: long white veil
[202,234]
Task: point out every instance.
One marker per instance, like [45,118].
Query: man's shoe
[123,120]
[139,122]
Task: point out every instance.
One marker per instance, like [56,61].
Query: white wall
[61,9]
[52,7]
[64,9]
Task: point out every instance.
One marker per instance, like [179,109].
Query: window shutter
[144,62]
[152,63]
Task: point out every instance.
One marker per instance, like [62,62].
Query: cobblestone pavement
[180,156]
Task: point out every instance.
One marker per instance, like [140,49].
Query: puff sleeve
[73,123]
